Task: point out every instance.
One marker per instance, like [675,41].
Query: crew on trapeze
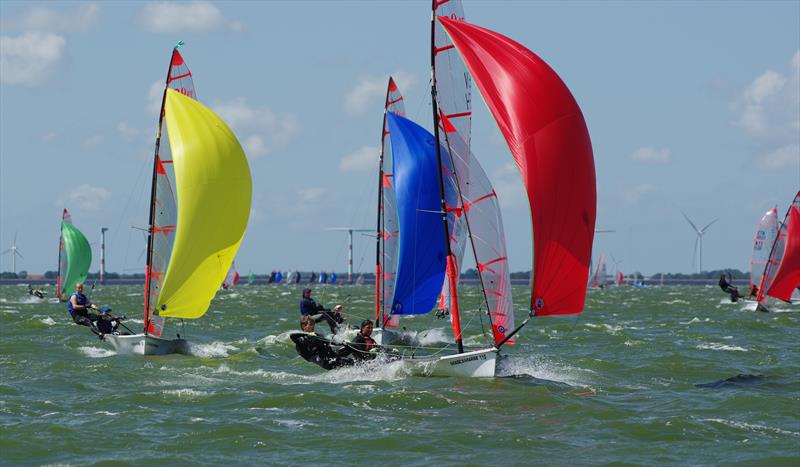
[36,292]
[725,285]
[318,350]
[78,307]
[308,307]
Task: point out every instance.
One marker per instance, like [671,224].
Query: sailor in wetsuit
[316,349]
[78,306]
[308,307]
[729,289]
[38,292]
[363,347]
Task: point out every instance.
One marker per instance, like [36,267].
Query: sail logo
[186,92]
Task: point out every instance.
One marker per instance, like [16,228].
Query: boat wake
[97,352]
[519,366]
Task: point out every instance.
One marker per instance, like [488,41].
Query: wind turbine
[699,239]
[14,254]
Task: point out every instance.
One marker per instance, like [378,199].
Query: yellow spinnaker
[213,191]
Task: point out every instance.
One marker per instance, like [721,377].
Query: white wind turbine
[14,254]
[698,240]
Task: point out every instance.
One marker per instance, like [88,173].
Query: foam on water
[186,393]
[750,426]
[97,352]
[48,321]
[211,350]
[540,368]
[717,346]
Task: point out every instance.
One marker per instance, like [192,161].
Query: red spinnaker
[787,279]
[548,138]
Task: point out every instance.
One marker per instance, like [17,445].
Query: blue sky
[691,107]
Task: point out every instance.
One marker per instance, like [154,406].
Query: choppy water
[618,383]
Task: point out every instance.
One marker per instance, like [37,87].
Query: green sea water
[616,384]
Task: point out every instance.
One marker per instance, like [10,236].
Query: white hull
[475,364]
[147,345]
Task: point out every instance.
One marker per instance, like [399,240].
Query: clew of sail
[164,210]
[388,229]
[421,258]
[766,232]
[211,177]
[548,138]
[74,259]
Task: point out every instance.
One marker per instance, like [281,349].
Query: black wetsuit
[729,289]
[360,348]
[308,307]
[317,350]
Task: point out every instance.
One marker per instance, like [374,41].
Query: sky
[691,106]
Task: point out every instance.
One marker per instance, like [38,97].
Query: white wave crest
[716,346]
[750,426]
[212,350]
[48,321]
[96,352]
[518,365]
[185,393]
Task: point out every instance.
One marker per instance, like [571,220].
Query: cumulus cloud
[648,154]
[262,130]
[635,194]
[370,91]
[769,107]
[174,17]
[86,197]
[30,58]
[307,199]
[42,19]
[786,157]
[365,158]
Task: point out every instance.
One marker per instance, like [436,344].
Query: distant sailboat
[232,278]
[251,278]
[189,250]
[600,275]
[74,257]
[781,277]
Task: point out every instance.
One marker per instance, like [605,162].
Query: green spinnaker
[78,256]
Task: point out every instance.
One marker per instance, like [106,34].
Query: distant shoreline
[464,280]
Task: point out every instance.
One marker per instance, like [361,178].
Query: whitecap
[96,352]
[716,346]
[48,321]
[750,426]
[185,392]
[211,350]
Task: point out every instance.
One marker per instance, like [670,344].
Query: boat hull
[147,345]
[475,364]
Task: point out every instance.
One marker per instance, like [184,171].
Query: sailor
[316,349]
[78,306]
[38,292]
[308,307]
[728,288]
[106,323]
[753,291]
[363,347]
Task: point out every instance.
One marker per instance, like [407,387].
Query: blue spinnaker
[422,257]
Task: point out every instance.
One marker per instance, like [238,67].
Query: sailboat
[199,172]
[74,257]
[548,139]
[600,276]
[251,278]
[780,278]
[232,278]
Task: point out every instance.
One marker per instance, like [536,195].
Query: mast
[60,247]
[451,266]
[379,228]
[152,216]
